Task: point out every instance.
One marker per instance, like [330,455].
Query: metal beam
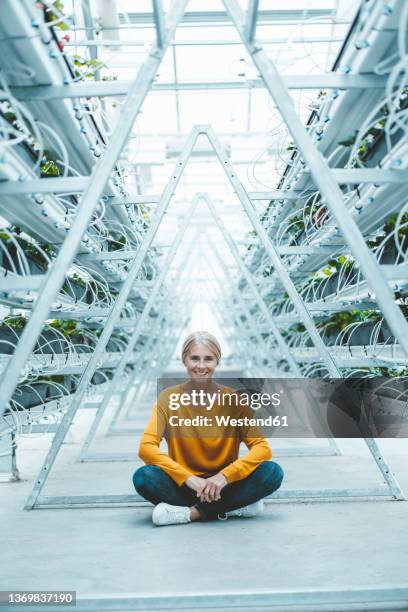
[277,194]
[256,344]
[377,176]
[77,184]
[213,17]
[159,22]
[293,495]
[272,252]
[70,184]
[276,40]
[21,283]
[133,200]
[251,19]
[120,88]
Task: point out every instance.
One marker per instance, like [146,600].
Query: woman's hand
[212,489]
[196,483]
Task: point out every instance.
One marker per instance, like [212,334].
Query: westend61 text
[228,421]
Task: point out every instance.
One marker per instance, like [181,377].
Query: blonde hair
[204,338]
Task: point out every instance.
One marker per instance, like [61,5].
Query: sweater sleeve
[259,451]
[149,449]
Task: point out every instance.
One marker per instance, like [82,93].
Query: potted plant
[117,343]
[387,250]
[37,262]
[101,376]
[116,242]
[28,395]
[79,338]
[11,329]
[78,289]
[86,68]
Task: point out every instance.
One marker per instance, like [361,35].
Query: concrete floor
[107,552]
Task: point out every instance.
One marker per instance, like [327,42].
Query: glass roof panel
[213,63]
[226,111]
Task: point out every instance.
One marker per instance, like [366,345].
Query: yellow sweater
[201,456]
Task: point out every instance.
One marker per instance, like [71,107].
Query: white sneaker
[247,511]
[166,514]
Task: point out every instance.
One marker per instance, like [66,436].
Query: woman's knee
[272,473]
[144,477]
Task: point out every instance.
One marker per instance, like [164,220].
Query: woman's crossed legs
[152,483]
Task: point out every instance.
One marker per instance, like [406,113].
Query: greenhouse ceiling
[207,62]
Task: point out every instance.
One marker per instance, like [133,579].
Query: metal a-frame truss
[36,501]
[326,180]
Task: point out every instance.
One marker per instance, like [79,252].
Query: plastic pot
[386,333]
[9,339]
[81,343]
[361,335]
[390,251]
[30,396]
[34,266]
[51,343]
[57,391]
[325,288]
[98,378]
[79,293]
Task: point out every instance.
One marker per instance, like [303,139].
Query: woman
[202,478]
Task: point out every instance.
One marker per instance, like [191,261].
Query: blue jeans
[152,483]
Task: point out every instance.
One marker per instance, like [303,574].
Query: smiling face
[200,362]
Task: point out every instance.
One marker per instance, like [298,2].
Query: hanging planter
[117,343]
[51,342]
[78,289]
[29,395]
[365,334]
[10,332]
[325,288]
[331,335]
[24,257]
[101,376]
[387,335]
[78,338]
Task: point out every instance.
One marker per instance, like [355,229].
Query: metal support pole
[158,22]
[132,392]
[251,19]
